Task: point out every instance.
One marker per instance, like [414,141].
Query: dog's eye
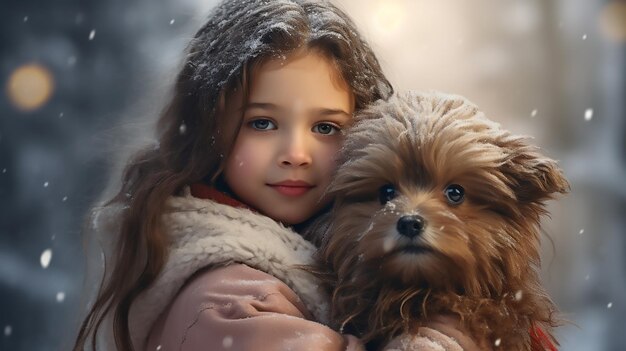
[386,193]
[455,194]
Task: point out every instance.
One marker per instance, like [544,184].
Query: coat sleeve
[441,333]
[240,308]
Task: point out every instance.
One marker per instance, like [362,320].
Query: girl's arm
[240,308]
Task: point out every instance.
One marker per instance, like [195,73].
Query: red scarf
[203,191]
[539,341]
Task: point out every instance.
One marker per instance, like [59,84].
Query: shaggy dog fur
[437,211]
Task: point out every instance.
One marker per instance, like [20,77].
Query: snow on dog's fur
[437,211]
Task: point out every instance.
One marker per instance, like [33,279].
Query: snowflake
[45,258]
[60,296]
[227,342]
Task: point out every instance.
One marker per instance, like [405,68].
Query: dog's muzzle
[411,225]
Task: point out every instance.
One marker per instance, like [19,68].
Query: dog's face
[430,193]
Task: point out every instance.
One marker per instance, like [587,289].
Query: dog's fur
[478,260]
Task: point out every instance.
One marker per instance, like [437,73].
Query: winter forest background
[97,71]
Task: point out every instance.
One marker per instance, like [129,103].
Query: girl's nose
[296,152]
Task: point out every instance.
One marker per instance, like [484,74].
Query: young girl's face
[285,153]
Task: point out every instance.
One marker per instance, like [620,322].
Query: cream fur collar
[205,233]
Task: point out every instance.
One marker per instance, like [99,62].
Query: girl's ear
[534,178]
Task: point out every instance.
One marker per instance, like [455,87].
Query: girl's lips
[292,188]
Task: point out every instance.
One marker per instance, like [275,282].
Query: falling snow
[4,170]
[8,330]
[182,129]
[609,305]
[498,341]
[388,244]
[369,228]
[518,295]
[227,342]
[584,36]
[25,18]
[45,258]
[581,232]
[60,296]
[533,113]
[92,34]
[171,21]
[64,198]
[588,114]
[587,277]
[158,348]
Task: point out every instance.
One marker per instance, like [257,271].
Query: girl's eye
[386,193]
[455,194]
[326,129]
[262,124]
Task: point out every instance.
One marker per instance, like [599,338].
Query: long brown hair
[194,137]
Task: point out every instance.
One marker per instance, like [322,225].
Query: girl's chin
[290,217]
[290,220]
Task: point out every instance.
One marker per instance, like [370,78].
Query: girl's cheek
[333,152]
[240,161]
[247,156]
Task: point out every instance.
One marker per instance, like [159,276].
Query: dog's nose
[411,226]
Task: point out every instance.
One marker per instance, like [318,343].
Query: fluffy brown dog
[437,211]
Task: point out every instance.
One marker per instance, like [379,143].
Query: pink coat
[241,308]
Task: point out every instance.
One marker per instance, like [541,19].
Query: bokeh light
[612,21]
[30,86]
[389,15]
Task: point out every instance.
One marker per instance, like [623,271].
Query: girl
[202,234]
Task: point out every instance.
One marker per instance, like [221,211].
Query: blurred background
[83,79]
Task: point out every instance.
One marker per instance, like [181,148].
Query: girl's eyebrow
[331,111]
[318,111]
[263,105]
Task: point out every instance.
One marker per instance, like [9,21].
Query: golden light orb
[389,15]
[30,86]
[612,21]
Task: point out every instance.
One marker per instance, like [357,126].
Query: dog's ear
[533,177]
